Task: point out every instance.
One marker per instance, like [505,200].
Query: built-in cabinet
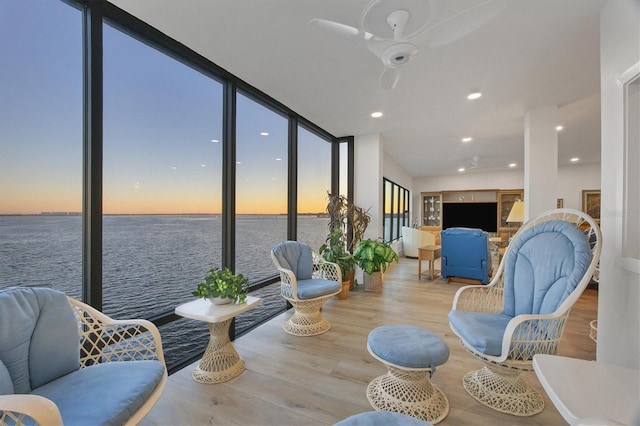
[505,203]
[432,206]
[431,209]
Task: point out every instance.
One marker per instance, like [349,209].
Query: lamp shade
[517,212]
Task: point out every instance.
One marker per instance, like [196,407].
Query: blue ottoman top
[408,346]
[381,418]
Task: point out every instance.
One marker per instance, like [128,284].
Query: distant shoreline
[158,214]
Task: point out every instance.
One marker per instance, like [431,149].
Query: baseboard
[464,280]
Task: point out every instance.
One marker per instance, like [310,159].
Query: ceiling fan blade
[389,78]
[461,24]
[341,30]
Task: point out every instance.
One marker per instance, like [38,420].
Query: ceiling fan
[394,30]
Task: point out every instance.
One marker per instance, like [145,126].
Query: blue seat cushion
[408,346]
[484,331]
[103,394]
[316,287]
[381,418]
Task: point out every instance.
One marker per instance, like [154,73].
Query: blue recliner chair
[465,254]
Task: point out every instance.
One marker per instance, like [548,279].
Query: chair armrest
[473,298]
[485,298]
[527,335]
[289,284]
[14,409]
[105,339]
[327,270]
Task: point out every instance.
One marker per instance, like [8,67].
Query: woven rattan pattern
[498,385]
[410,393]
[503,390]
[220,361]
[307,319]
[107,340]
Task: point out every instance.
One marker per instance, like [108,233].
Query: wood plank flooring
[322,379]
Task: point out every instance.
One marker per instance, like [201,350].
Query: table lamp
[517,212]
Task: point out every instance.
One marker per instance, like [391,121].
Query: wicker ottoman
[411,355]
[381,418]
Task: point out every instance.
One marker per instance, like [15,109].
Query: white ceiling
[535,53]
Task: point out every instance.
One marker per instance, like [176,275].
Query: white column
[540,160]
[368,180]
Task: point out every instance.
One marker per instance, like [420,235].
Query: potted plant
[352,219]
[373,257]
[222,286]
[334,250]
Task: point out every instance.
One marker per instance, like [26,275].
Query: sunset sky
[162,128]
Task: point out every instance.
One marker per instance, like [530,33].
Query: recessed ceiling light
[278,159]
[203,165]
[574,159]
[376,114]
[558,128]
[461,169]
[173,167]
[512,165]
[474,95]
[264,133]
[238,162]
[215,140]
[466,139]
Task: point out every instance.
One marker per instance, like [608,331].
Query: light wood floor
[322,379]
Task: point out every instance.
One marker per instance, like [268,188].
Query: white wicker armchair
[507,338]
[102,340]
[307,282]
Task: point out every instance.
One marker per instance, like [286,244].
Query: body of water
[151,263]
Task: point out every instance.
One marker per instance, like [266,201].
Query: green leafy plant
[224,284]
[373,256]
[334,250]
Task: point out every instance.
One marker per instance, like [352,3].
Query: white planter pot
[220,300]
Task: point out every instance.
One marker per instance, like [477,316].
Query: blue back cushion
[543,266]
[295,256]
[461,244]
[39,337]
[6,385]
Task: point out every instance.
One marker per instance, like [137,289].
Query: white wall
[503,179]
[619,295]
[394,172]
[368,163]
[572,180]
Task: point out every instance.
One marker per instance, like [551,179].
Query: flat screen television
[470,215]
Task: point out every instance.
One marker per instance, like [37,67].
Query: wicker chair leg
[503,390]
[307,319]
[410,393]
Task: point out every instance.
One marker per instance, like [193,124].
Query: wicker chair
[307,282]
[77,365]
[522,311]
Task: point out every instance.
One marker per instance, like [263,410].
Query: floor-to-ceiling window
[147,153]
[314,184]
[41,145]
[261,198]
[162,180]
